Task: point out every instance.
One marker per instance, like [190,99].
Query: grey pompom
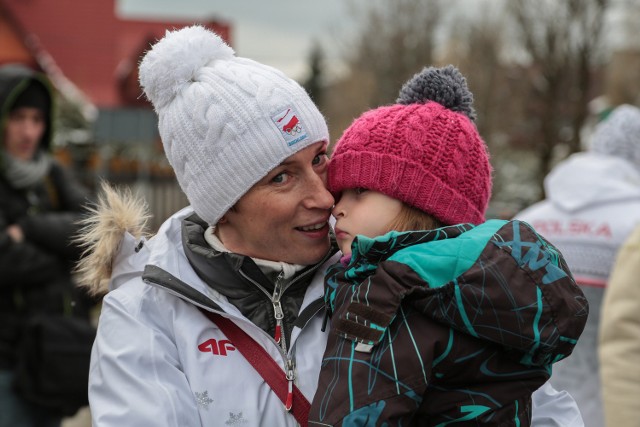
[446,86]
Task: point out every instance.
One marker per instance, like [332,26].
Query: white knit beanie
[619,134]
[225,121]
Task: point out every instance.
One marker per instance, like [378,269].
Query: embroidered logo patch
[290,126]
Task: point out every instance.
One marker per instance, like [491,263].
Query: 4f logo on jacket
[217,347]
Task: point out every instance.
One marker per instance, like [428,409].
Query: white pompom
[175,60]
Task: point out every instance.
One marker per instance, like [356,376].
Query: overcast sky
[277,32]
[281,32]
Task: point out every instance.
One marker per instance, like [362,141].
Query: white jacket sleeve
[619,349]
[553,408]
[135,375]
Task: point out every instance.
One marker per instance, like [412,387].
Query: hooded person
[592,205]
[27,123]
[40,204]
[248,148]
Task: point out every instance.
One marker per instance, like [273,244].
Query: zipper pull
[278,334]
[289,403]
[290,378]
[277,308]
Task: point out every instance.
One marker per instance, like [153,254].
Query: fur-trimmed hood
[117,217]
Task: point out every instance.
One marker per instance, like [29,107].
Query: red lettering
[218,348]
[224,346]
[209,346]
[579,227]
[575,227]
[540,227]
[604,230]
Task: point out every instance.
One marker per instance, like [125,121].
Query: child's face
[362,211]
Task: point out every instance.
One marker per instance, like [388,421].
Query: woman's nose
[320,197]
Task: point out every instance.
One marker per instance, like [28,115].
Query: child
[457,323]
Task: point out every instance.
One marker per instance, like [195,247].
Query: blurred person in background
[592,205]
[620,338]
[39,206]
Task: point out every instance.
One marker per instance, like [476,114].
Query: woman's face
[285,216]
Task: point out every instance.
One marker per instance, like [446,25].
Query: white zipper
[278,312]
[291,377]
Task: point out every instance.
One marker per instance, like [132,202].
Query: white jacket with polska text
[157,360]
[592,206]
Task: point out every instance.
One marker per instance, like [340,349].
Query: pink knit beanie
[425,150]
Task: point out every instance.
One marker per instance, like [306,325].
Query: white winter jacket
[158,361]
[592,206]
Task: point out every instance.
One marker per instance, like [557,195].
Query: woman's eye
[319,159]
[280,178]
[361,190]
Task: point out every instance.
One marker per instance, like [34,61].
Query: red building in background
[83,44]
[91,56]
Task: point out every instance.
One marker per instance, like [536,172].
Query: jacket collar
[229,273]
[372,251]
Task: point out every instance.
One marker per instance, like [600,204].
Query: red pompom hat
[424,151]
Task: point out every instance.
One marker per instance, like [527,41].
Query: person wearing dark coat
[40,205]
